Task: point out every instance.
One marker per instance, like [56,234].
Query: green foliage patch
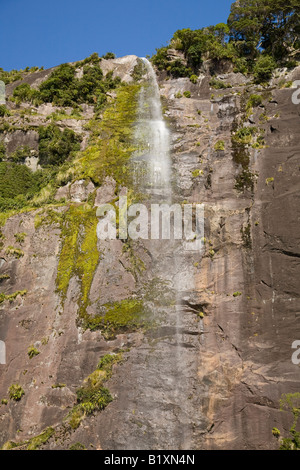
[15,392]
[93,396]
[125,315]
[112,141]
[11,297]
[79,255]
[290,402]
[63,88]
[56,146]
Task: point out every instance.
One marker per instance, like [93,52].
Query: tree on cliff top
[255,28]
[271,26]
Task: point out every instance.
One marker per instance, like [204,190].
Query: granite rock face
[238,300]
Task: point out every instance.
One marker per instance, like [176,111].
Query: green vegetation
[4,111]
[58,386]
[236,294]
[93,396]
[267,26]
[16,392]
[2,238]
[112,141]
[117,317]
[20,237]
[220,145]
[110,149]
[41,439]
[48,217]
[2,151]
[187,94]
[61,114]
[218,84]
[276,432]
[93,59]
[20,154]
[77,446]
[263,68]
[269,180]
[109,55]
[11,297]
[14,75]
[18,185]
[32,444]
[32,352]
[56,146]
[62,88]
[10,77]
[79,255]
[24,92]
[16,252]
[139,71]
[246,235]
[15,180]
[253,102]
[290,402]
[195,45]
[9,445]
[90,399]
[197,173]
[244,135]
[259,35]
[106,362]
[194,78]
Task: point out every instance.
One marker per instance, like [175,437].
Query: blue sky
[48,33]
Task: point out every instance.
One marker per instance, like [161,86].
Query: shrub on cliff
[264,68]
[2,151]
[24,92]
[18,184]
[3,110]
[15,179]
[109,55]
[56,146]
[63,88]
[15,392]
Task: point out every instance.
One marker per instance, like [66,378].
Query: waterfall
[153,156]
[158,402]
[167,364]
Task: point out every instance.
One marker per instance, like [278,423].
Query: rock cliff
[238,300]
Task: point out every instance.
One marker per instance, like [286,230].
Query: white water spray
[153,136]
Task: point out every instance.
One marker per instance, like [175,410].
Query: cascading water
[158,402]
[152,133]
